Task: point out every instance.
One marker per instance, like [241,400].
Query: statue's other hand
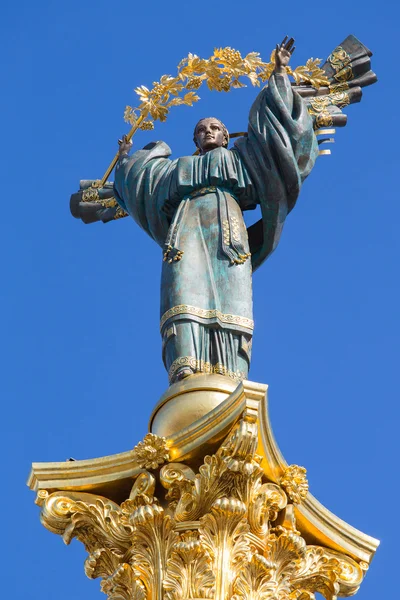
[283,52]
[125,145]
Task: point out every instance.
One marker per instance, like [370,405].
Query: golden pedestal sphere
[187,401]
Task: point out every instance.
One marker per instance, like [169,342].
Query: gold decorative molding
[242,525]
[186,309]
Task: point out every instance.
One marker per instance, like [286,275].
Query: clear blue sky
[81,350]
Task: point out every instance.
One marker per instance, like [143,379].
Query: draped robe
[192,207]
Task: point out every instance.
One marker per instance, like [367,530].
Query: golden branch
[221,72]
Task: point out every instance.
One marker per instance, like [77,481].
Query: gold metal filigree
[90,195]
[319,104]
[151,452]
[294,482]
[120,214]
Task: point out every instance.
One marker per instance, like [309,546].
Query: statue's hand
[125,145]
[283,53]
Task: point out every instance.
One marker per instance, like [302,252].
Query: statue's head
[210,133]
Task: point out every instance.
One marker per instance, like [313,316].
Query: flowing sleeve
[141,188]
[279,153]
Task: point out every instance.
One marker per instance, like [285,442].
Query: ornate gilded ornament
[151,452]
[222,533]
[90,195]
[340,61]
[295,484]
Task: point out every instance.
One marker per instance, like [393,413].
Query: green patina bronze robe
[192,207]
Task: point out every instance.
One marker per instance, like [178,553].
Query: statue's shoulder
[156,150]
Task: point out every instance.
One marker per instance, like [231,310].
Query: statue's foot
[182,373]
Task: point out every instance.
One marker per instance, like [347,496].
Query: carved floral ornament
[222,533]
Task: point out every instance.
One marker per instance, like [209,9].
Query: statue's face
[209,135]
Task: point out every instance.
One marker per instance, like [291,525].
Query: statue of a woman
[192,207]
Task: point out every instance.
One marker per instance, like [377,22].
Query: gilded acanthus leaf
[104,524]
[101,563]
[265,501]
[224,536]
[123,585]
[239,449]
[198,496]
[189,573]
[254,580]
[142,493]
[93,520]
[152,542]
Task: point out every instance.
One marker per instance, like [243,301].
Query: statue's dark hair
[224,130]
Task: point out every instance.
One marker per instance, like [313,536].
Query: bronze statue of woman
[193,207]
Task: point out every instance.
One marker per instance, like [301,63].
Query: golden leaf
[238,84]
[130,116]
[172,84]
[190,65]
[313,63]
[212,69]
[175,102]
[190,98]
[254,79]
[310,73]
[143,92]
[159,113]
[253,60]
[267,71]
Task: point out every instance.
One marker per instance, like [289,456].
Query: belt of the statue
[206,190]
[232,245]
